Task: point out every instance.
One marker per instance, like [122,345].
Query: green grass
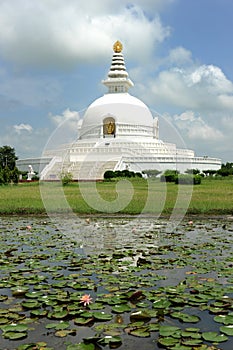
[213,196]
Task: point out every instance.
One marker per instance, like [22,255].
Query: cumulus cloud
[67,116]
[66,129]
[62,33]
[27,141]
[179,56]
[22,127]
[196,128]
[203,87]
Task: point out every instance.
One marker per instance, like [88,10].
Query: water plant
[160,288]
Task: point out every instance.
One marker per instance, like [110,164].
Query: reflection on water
[105,235]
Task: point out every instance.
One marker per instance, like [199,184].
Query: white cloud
[27,141]
[196,128]
[204,132]
[67,116]
[22,127]
[210,77]
[179,56]
[66,129]
[201,88]
[62,33]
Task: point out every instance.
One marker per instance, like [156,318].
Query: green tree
[14,175]
[7,157]
[6,175]
[226,169]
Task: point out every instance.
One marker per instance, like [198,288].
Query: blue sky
[54,54]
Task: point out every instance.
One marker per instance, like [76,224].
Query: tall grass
[211,197]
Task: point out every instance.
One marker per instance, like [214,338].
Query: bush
[127,173]
[7,176]
[151,173]
[192,171]
[188,179]
[66,178]
[110,174]
[138,174]
[169,176]
[15,175]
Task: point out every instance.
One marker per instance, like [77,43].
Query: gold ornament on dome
[117,47]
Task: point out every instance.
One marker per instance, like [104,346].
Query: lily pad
[30,304]
[140,332]
[58,314]
[140,315]
[168,341]
[63,333]
[39,313]
[225,319]
[102,316]
[81,321]
[3,320]
[58,326]
[161,304]
[214,337]
[110,340]
[228,330]
[121,308]
[185,317]
[167,331]
[19,291]
[15,328]
[14,335]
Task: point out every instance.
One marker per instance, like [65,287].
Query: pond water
[151,286]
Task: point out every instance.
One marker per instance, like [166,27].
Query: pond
[146,285]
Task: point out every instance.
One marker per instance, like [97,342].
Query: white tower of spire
[117,81]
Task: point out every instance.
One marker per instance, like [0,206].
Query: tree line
[225,170]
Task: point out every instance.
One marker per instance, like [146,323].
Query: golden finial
[117,47]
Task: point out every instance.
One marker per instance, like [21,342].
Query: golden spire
[117,47]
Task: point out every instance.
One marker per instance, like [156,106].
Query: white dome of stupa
[126,114]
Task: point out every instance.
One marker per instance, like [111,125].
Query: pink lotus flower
[86,299]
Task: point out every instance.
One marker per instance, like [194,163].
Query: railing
[49,167]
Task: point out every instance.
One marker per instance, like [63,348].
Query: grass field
[213,196]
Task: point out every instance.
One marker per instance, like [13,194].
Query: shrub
[192,171]
[197,179]
[169,176]
[138,174]
[151,173]
[1,177]
[15,175]
[109,174]
[66,178]
[188,179]
[126,173]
